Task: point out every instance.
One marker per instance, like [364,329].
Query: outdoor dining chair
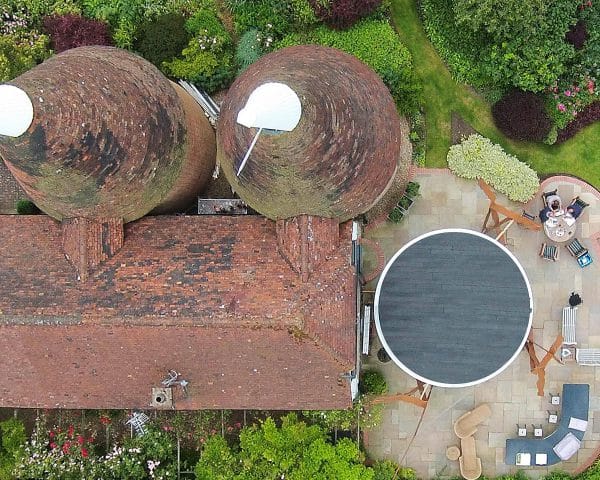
[578,251]
[549,252]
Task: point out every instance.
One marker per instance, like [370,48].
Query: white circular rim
[16,112]
[390,351]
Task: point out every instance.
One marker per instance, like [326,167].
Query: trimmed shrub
[577,35]
[373,382]
[477,157]
[162,39]
[71,31]
[522,116]
[26,207]
[375,43]
[342,14]
[21,52]
[589,115]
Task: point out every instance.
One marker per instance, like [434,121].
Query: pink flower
[84,453]
[52,445]
[568,93]
[71,431]
[577,89]
[52,434]
[561,107]
[80,440]
[590,86]
[66,446]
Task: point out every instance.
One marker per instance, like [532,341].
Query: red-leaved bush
[342,14]
[70,31]
[577,35]
[587,116]
[522,116]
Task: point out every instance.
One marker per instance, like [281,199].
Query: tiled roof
[111,137]
[342,155]
[203,295]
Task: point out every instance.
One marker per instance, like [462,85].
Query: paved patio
[447,201]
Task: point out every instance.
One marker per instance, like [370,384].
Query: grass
[579,156]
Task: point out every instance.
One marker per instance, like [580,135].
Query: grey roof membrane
[454,308]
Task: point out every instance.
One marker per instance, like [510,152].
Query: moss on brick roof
[340,158]
[109,135]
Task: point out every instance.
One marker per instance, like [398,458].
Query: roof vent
[16,113]
[162,398]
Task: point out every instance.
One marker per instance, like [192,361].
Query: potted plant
[396,215]
[412,189]
[405,203]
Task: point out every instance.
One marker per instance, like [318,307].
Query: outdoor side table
[555,400]
[538,432]
[452,453]
[552,418]
[523,459]
[541,459]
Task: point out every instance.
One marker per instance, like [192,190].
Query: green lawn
[579,156]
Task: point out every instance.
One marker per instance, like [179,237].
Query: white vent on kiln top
[273,106]
[16,111]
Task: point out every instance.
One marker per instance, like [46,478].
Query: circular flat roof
[453,308]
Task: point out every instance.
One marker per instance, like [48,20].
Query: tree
[294,451]
[510,43]
[527,47]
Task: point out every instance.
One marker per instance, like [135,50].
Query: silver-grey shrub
[478,157]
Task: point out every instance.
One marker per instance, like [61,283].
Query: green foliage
[274,18]
[26,207]
[386,470]
[396,215]
[13,446]
[151,455]
[293,450]
[412,189]
[208,59]
[248,50]
[376,44]
[361,414]
[372,382]
[65,454]
[459,47]
[20,52]
[552,136]
[511,43]
[162,39]
[122,15]
[478,157]
[56,455]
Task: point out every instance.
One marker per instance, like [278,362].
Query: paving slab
[449,202]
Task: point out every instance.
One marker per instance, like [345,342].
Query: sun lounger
[588,356]
[467,424]
[469,463]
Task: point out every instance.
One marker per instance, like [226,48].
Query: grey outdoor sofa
[575,404]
